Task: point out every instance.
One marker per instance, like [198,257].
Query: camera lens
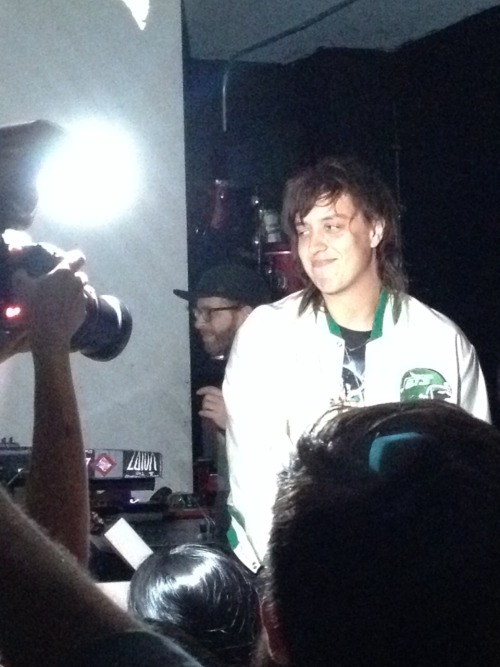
[106,329]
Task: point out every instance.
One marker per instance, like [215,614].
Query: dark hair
[328,180]
[202,591]
[385,546]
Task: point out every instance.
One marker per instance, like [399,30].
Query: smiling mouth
[320,263]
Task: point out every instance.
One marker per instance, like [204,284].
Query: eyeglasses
[206,314]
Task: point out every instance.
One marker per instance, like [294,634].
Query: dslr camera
[107,326]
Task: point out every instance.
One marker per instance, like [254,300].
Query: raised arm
[55,307]
[49,607]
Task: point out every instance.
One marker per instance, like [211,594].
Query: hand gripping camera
[107,326]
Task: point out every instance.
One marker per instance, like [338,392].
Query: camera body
[23,149]
[107,326]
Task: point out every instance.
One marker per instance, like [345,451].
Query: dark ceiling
[281,31]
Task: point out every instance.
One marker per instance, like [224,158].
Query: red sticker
[104,464]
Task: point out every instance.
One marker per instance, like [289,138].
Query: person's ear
[272,635]
[377,232]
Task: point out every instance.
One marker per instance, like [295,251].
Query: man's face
[217,328]
[336,246]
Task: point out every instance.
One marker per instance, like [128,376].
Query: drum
[280,269]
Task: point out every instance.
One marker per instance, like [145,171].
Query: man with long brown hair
[351,337]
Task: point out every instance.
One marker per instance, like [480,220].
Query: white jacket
[285,371]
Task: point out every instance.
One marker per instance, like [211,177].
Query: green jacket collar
[377,320]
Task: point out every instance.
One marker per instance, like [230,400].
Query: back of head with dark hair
[205,593]
[327,181]
[385,548]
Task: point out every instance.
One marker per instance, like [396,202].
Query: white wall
[67,59]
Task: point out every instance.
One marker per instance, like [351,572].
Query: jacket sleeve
[258,446]
[473,396]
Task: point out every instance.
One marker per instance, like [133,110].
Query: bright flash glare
[91,178]
[12,311]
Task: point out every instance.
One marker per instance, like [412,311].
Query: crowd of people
[364,474]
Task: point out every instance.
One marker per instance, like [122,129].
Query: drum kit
[274,256]
[267,247]
[281,270]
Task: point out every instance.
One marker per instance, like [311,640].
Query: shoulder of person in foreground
[139,648]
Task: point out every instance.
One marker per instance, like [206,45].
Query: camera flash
[11,312]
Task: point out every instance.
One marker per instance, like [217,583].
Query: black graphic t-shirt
[350,391]
[353,371]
